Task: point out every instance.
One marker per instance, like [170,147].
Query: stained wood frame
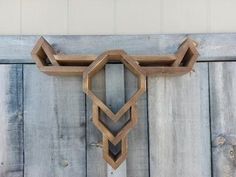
[59,64]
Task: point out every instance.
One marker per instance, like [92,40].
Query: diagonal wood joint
[141,66]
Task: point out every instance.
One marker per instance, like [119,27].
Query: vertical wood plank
[54,125]
[11,121]
[137,161]
[96,166]
[223,118]
[179,125]
[115,99]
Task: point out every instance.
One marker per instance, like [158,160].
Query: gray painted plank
[115,99]
[223,118]
[17,49]
[179,125]
[11,121]
[54,125]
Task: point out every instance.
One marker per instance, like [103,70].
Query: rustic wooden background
[187,124]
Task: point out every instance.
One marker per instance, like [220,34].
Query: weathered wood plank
[137,161]
[115,99]
[179,125]
[11,121]
[17,49]
[54,125]
[96,166]
[223,118]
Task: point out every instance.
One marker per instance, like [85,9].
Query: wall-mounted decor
[115,144]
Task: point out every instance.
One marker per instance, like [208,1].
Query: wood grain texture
[96,166]
[179,125]
[137,160]
[16,49]
[115,99]
[54,124]
[10,10]
[223,118]
[11,121]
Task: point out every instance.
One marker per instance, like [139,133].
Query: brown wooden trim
[172,64]
[143,60]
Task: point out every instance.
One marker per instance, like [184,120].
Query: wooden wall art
[115,145]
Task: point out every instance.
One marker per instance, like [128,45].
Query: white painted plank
[137,17]
[222,14]
[44,17]
[137,161]
[115,99]
[11,121]
[184,16]
[179,125]
[223,118]
[90,17]
[54,125]
[17,49]
[10,17]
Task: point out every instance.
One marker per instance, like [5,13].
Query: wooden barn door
[59,139]
[186,125]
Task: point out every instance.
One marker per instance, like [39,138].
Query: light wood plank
[11,121]
[179,125]
[17,49]
[54,125]
[223,118]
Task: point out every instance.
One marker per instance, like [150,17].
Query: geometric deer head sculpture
[115,145]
